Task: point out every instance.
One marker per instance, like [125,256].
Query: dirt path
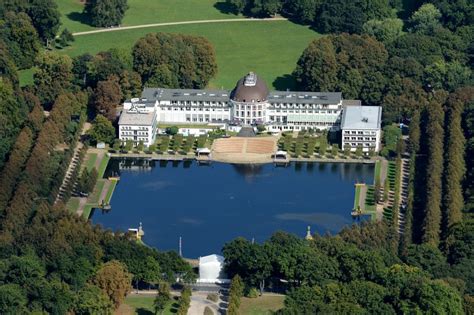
[123,28]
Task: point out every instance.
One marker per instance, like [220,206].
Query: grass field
[262,305]
[91,158]
[108,196]
[147,12]
[138,304]
[272,50]
[357,196]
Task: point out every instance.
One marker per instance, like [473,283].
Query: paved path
[199,303]
[123,28]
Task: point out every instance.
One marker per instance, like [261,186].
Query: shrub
[213,297]
[252,293]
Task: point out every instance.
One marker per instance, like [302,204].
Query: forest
[416,62]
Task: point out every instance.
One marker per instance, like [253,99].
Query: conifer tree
[434,170]
[454,165]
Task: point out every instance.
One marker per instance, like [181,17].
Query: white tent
[211,269]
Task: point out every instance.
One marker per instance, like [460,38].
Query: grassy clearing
[26,77]
[103,165]
[370,199]
[262,305]
[272,49]
[139,304]
[72,204]
[357,196]
[86,213]
[147,12]
[94,197]
[91,159]
[378,168]
[108,196]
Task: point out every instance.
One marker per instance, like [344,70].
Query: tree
[114,280]
[343,63]
[65,38]
[102,130]
[349,16]
[347,150]
[52,76]
[425,19]
[12,299]
[434,170]
[334,150]
[385,30]
[21,38]
[162,298]
[107,97]
[45,17]
[359,151]
[173,130]
[105,13]
[455,167]
[91,300]
[174,60]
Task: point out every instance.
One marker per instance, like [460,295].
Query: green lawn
[73,204]
[94,197]
[357,196]
[91,159]
[87,211]
[108,196]
[370,199]
[262,305]
[272,50]
[378,166]
[146,12]
[103,165]
[144,305]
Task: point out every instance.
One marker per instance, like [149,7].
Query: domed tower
[249,100]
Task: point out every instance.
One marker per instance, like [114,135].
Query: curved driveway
[123,28]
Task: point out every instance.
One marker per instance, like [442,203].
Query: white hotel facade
[249,103]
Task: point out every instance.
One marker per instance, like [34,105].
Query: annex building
[250,103]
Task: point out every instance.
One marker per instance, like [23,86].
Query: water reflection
[209,205]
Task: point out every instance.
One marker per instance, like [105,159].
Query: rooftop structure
[361,117]
[250,89]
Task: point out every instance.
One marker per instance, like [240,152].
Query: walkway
[72,165]
[124,28]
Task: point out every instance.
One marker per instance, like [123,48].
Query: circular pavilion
[249,99]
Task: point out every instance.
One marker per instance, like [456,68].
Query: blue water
[210,205]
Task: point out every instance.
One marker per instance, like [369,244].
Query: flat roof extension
[135,118]
[361,117]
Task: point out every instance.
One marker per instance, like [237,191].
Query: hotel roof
[361,117]
[305,97]
[185,95]
[136,118]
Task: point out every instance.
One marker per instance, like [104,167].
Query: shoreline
[236,158]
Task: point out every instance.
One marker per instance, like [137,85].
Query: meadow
[269,48]
[147,12]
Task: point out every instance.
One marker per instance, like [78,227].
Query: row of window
[249,114]
[134,128]
[203,109]
[361,138]
[129,133]
[337,112]
[347,132]
[308,106]
[198,103]
[248,107]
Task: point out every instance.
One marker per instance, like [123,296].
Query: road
[123,28]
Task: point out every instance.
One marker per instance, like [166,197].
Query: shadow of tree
[143,311]
[225,8]
[284,82]
[79,17]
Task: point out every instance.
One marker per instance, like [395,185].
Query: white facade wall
[193,112]
[365,137]
[137,133]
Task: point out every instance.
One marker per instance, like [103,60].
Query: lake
[208,205]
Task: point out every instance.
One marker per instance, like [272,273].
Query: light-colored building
[211,269]
[138,122]
[361,127]
[249,103]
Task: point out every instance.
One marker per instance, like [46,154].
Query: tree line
[359,270]
[397,71]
